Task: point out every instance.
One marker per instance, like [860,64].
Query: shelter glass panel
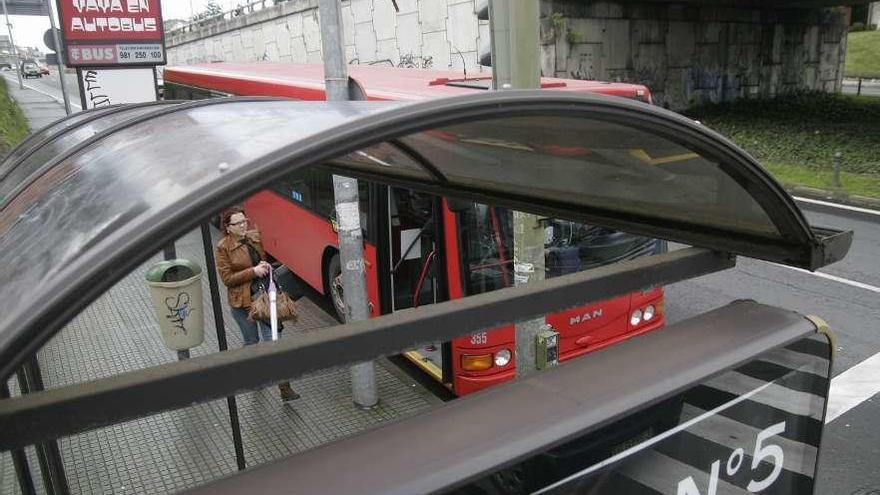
[487,247]
[64,142]
[595,164]
[85,198]
[40,135]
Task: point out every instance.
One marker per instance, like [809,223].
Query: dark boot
[287,393]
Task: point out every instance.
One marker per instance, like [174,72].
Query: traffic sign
[49,40]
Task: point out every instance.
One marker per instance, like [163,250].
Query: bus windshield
[486,234]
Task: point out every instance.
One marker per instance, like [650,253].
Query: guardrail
[230,14]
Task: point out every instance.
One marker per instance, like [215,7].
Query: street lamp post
[58,51]
[345,191]
[12,42]
[516,65]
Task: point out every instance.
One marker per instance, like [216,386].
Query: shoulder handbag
[285,307]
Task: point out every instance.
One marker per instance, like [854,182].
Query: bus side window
[200,94]
[177,92]
[295,188]
[364,204]
[572,247]
[322,185]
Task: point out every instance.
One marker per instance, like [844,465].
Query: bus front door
[414,251]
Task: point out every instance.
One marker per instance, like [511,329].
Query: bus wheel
[334,287]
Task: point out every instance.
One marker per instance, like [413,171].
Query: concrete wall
[439,34]
[686,54]
[874,15]
[690,54]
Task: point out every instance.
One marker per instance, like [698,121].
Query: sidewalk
[176,450]
[40,109]
[870,87]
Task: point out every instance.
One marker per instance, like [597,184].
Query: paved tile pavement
[171,451]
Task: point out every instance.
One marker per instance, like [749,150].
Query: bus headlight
[648,314]
[636,317]
[502,357]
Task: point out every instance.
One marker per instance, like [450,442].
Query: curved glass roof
[102,209]
[38,137]
[74,131]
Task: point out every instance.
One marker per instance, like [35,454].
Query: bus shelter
[93,197]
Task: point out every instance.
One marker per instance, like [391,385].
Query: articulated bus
[421,249]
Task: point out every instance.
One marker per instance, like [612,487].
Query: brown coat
[236,269]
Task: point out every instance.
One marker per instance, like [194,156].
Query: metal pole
[351,246]
[48,453]
[220,327]
[838,163]
[169,252]
[59,50]
[14,49]
[19,458]
[515,65]
[859,89]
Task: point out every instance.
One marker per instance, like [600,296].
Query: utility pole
[14,49]
[345,190]
[59,51]
[514,26]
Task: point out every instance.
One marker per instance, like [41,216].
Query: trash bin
[176,291]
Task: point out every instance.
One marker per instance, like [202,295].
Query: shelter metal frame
[46,415]
[798,244]
[64,411]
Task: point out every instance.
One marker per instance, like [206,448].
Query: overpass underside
[688,53]
[763,4]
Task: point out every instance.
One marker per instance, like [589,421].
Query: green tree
[211,10]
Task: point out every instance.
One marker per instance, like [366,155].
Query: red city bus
[422,249]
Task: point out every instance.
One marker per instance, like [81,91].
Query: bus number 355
[764,452]
[479,338]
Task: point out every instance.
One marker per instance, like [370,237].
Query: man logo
[590,315]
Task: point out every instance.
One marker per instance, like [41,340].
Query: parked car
[44,69]
[30,69]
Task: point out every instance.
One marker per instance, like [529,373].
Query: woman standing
[241,262]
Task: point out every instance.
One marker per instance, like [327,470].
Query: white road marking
[834,278]
[776,396]
[799,457]
[853,386]
[660,473]
[862,381]
[837,205]
[655,440]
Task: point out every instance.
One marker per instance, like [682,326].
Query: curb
[834,196]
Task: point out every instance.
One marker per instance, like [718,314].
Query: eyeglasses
[244,220]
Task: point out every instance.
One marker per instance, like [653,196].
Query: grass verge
[796,137]
[13,125]
[863,55]
[854,184]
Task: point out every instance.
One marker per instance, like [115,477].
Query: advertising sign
[112,32]
[105,87]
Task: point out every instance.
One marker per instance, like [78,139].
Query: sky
[28,30]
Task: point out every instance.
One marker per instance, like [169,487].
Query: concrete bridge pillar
[874,15]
